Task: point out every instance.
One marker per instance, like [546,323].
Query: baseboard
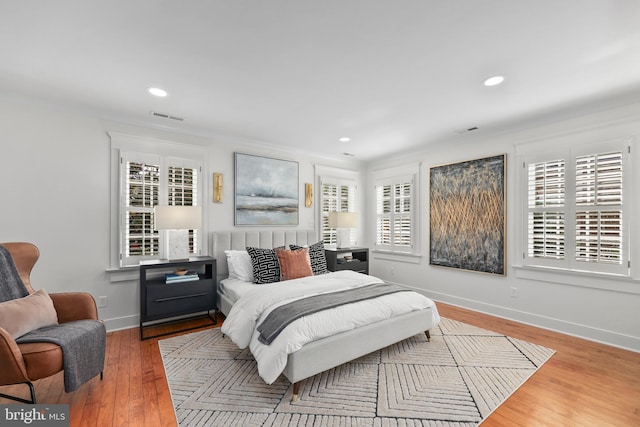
[590,333]
[557,325]
[121,323]
[128,322]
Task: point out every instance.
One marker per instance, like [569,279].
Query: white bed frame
[329,352]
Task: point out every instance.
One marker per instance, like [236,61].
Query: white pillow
[239,264]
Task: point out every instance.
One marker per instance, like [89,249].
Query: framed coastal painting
[467,215]
[266,191]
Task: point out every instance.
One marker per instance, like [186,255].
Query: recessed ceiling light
[493,81]
[345,139]
[156,91]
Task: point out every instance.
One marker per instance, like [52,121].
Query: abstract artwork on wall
[266,191]
[467,215]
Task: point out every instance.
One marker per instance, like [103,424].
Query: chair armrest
[13,369]
[72,306]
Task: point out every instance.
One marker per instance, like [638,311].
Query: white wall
[553,301]
[55,174]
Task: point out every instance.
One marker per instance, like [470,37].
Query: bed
[410,313]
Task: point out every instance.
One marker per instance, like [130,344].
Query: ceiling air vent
[471,129]
[167,116]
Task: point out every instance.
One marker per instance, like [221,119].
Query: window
[576,209]
[337,195]
[150,181]
[599,208]
[141,189]
[546,194]
[395,214]
[146,180]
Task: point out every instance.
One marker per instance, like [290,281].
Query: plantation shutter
[546,202]
[149,173]
[337,195]
[182,190]
[329,204]
[599,208]
[394,214]
[576,209]
[402,220]
[383,215]
[141,194]
[149,180]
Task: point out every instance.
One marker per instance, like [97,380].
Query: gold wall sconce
[217,187]
[308,194]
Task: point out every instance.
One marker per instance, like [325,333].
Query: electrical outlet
[102,302]
[514,292]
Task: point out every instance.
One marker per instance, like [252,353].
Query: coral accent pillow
[318,259]
[294,264]
[22,315]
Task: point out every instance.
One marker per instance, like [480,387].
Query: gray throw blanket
[11,286]
[83,345]
[83,342]
[283,315]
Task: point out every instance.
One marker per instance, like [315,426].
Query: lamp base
[343,239]
[177,245]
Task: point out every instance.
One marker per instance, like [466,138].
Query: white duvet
[249,311]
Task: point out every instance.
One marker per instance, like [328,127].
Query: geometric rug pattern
[455,380]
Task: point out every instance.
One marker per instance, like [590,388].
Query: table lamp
[342,222]
[177,220]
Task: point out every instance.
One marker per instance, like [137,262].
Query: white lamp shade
[343,219]
[178,217]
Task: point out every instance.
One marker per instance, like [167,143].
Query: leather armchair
[25,363]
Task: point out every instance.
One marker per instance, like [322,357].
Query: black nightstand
[161,298]
[359,262]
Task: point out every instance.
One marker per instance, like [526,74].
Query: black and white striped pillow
[317,256]
[266,268]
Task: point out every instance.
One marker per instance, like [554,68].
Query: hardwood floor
[583,384]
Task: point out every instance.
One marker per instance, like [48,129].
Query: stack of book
[181,276]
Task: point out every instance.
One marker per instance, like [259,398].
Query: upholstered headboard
[240,239]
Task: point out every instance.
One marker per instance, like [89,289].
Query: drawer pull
[180,297]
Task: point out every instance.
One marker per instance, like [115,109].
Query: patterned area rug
[456,380]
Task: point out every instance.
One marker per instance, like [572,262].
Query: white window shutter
[575,210]
[395,214]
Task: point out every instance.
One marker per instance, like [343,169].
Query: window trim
[584,279]
[569,265]
[145,147]
[352,188]
[392,176]
[339,175]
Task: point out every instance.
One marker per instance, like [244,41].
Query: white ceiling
[392,75]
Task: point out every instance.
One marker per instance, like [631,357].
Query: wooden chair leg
[296,389]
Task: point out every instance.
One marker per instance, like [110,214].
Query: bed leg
[428,335]
[296,389]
